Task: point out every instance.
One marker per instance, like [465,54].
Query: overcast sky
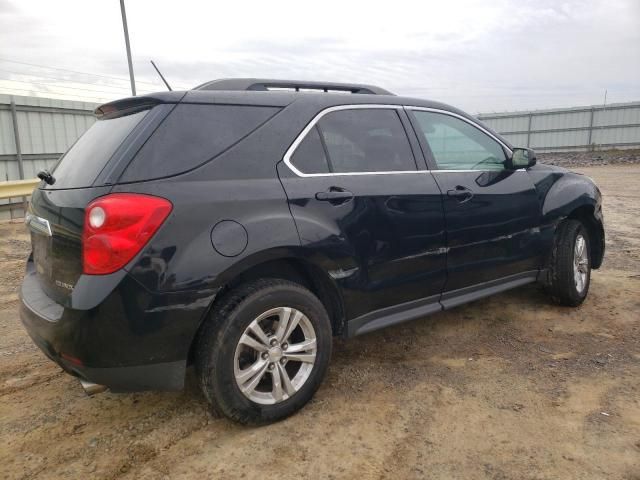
[481,56]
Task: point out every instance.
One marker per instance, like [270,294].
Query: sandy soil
[509,387]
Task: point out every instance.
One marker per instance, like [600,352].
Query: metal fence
[570,129]
[34,132]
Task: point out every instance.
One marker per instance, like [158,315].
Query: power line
[45,92]
[74,71]
[31,91]
[51,85]
[157,85]
[37,78]
[58,79]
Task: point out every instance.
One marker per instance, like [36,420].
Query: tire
[564,286]
[225,356]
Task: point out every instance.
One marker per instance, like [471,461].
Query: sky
[481,56]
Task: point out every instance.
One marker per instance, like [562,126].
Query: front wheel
[264,351]
[570,266]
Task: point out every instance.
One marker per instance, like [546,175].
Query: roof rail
[261,84]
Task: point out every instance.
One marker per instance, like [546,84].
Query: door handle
[335,195]
[461,193]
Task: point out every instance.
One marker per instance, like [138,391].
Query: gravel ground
[595,158]
[506,387]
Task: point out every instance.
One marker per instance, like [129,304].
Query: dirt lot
[509,387]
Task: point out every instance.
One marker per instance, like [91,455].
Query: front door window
[458,145]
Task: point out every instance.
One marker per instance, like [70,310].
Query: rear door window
[192,135]
[366,140]
[82,163]
[355,141]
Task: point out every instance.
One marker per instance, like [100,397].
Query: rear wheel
[264,351]
[570,266]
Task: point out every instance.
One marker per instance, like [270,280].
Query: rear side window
[310,156]
[80,166]
[354,141]
[192,135]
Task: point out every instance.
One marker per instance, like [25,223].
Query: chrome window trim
[292,148]
[472,171]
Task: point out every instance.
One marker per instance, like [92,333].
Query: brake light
[116,227]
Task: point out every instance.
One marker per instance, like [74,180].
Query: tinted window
[192,135]
[457,145]
[80,166]
[309,157]
[366,140]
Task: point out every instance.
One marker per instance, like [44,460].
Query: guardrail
[17,188]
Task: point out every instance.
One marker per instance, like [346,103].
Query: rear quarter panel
[181,256]
[180,266]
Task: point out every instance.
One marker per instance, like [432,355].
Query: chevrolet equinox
[240,225]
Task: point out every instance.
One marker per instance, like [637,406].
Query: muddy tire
[264,351]
[570,264]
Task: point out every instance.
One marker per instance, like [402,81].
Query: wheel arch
[574,196]
[286,266]
[586,215]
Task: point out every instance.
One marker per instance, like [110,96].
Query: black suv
[240,225]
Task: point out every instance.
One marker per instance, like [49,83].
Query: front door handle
[335,195]
[461,193]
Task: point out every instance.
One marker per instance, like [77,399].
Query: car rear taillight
[116,227]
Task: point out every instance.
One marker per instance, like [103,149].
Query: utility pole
[16,136]
[126,41]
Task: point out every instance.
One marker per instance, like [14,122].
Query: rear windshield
[80,166]
[192,135]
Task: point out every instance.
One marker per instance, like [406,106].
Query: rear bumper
[132,341]
[159,376]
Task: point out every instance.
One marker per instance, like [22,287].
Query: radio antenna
[161,76]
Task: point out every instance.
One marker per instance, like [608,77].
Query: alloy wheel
[580,263]
[275,355]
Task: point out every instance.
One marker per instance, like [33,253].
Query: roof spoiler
[126,106]
[258,84]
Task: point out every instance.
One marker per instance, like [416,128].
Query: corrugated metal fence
[34,132]
[570,129]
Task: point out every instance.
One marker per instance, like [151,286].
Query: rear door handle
[461,193]
[335,195]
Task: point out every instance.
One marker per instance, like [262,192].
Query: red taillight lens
[116,227]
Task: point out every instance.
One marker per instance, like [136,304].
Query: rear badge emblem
[60,284]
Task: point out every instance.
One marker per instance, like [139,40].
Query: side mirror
[523,158]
